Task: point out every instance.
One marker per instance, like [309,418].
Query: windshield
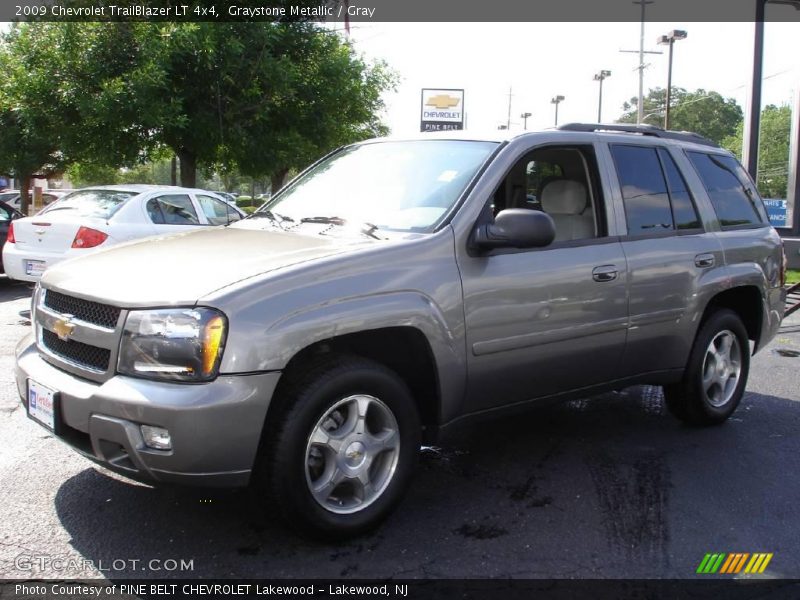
[406,186]
[91,203]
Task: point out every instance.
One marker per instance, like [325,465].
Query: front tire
[716,374]
[342,446]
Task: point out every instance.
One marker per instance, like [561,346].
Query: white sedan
[99,217]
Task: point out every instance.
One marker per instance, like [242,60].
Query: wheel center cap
[355,454]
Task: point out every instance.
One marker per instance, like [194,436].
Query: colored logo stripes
[734,562]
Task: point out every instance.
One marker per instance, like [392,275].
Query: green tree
[31,118]
[259,98]
[773,150]
[701,111]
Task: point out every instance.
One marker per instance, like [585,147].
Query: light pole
[556,100]
[524,116]
[600,77]
[669,40]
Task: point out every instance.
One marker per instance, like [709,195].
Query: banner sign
[442,110]
[776,209]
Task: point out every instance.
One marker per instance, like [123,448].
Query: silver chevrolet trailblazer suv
[397,287]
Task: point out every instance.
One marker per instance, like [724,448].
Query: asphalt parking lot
[610,486]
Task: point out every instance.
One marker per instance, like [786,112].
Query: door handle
[704,260]
[604,273]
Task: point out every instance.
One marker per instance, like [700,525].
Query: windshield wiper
[274,217]
[324,220]
[367,229]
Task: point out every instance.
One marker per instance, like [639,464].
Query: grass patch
[792,276]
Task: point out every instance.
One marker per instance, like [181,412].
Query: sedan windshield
[91,203]
[405,186]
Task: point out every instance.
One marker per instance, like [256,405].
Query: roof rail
[643,129]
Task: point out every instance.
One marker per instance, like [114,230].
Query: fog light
[156,437]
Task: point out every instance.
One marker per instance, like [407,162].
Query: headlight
[183,344]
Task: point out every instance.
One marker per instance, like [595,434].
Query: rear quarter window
[732,195]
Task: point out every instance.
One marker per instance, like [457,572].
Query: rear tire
[716,374]
[341,446]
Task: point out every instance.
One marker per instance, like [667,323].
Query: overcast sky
[540,60]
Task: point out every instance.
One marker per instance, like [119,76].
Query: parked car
[397,288]
[99,217]
[7,214]
[13,197]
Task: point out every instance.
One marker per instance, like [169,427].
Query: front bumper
[215,427]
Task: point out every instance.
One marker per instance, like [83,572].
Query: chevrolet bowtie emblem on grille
[442,101]
[63,327]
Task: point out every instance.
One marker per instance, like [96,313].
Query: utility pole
[600,77]
[508,121]
[557,100]
[669,40]
[642,66]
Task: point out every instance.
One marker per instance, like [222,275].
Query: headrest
[563,197]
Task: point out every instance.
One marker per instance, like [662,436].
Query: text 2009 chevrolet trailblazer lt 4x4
[399,286]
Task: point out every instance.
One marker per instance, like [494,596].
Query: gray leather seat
[567,202]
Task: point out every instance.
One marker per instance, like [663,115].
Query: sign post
[442,110]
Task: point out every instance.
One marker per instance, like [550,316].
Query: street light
[669,40]
[556,100]
[600,77]
[524,116]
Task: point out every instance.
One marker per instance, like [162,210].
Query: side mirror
[516,228]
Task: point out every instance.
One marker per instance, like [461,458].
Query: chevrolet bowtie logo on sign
[442,110]
[63,328]
[734,563]
[443,101]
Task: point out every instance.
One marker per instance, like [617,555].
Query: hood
[179,269]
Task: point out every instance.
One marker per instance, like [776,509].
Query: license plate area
[43,405]
[35,267]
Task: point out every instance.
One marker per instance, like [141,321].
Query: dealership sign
[442,110]
[776,209]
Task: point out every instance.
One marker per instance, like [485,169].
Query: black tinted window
[683,209]
[644,190]
[733,199]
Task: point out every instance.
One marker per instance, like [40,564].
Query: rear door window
[644,189]
[172,209]
[216,211]
[683,209]
[734,199]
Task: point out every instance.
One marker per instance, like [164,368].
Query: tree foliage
[773,150]
[31,119]
[701,111]
[258,98]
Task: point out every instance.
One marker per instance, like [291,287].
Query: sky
[540,60]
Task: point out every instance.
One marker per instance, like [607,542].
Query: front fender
[272,349]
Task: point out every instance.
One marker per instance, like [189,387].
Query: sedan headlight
[179,344]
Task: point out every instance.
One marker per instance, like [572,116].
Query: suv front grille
[87,356]
[85,310]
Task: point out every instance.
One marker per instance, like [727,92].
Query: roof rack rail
[643,129]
